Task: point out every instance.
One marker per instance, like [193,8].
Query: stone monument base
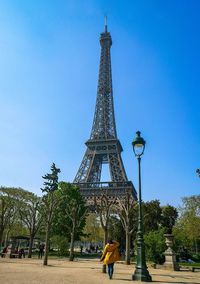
[170,262]
[170,256]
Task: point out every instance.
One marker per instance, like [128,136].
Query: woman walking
[110,255]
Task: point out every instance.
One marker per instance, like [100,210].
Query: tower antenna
[105,23]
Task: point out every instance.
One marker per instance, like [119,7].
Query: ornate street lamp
[141,272]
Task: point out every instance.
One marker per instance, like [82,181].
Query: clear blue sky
[49,58]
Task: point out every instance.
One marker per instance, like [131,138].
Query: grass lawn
[197,264]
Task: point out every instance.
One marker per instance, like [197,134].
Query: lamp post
[141,272]
[198,172]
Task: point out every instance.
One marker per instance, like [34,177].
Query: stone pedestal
[170,256]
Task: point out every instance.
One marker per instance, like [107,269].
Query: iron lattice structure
[103,145]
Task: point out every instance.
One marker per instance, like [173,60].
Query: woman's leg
[110,270]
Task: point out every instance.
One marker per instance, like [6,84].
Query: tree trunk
[196,246]
[30,246]
[1,238]
[46,245]
[105,235]
[6,237]
[71,254]
[127,258]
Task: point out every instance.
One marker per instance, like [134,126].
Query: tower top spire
[105,23]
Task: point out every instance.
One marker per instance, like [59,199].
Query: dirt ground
[31,271]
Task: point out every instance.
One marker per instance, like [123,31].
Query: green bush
[196,257]
[60,245]
[155,246]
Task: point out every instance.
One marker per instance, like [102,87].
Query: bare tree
[125,207]
[104,206]
[31,215]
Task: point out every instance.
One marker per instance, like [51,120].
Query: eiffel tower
[103,145]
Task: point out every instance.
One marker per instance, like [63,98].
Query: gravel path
[31,271]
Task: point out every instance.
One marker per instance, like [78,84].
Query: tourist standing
[41,251]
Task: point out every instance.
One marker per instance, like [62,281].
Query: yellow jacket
[110,253]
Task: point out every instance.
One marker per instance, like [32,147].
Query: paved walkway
[31,271]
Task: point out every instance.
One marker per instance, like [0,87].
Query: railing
[110,188]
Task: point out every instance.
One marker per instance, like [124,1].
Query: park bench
[11,255]
[14,255]
[190,268]
[193,268]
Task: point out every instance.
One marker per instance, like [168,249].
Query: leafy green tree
[92,230]
[60,243]
[155,245]
[9,205]
[30,211]
[50,202]
[191,203]
[70,214]
[169,217]
[158,220]
[156,216]
[151,215]
[16,229]
[181,240]
[187,228]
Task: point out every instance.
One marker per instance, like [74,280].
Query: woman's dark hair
[110,241]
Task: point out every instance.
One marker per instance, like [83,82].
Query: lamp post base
[141,274]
